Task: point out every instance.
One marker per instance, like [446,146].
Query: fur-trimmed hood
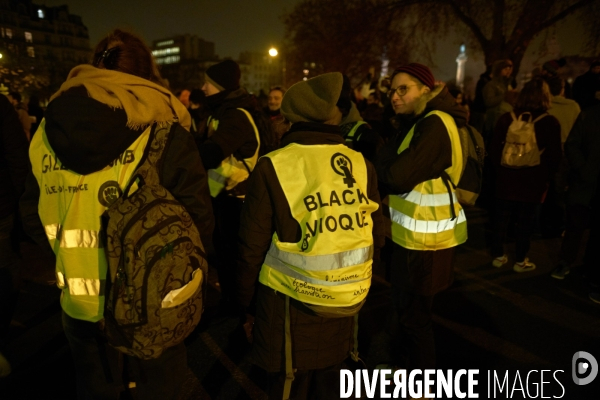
[440,99]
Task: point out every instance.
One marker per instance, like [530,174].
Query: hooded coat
[235,134]
[88,127]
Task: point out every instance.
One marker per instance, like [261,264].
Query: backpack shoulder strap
[150,165]
[540,117]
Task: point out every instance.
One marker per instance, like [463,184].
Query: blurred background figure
[15,100]
[583,199]
[478,109]
[14,166]
[520,191]
[586,89]
[199,112]
[184,97]
[495,96]
[279,125]
[35,110]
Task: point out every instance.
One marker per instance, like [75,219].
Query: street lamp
[273,52]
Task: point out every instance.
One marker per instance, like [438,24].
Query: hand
[248,326]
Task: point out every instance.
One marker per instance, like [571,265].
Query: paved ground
[490,319]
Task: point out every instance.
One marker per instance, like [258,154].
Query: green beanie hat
[313,100]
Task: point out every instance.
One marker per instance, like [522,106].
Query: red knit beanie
[419,71]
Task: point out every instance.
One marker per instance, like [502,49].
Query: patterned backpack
[157,264]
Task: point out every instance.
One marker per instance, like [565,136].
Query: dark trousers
[579,218]
[308,384]
[524,217]
[228,210]
[9,274]
[100,367]
[416,277]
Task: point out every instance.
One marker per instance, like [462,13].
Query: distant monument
[461,60]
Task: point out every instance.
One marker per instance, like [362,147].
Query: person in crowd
[460,100]
[14,166]
[279,125]
[358,133]
[309,264]
[419,166]
[184,97]
[495,95]
[199,112]
[229,154]
[273,109]
[373,112]
[586,88]
[35,111]
[583,198]
[15,100]
[478,107]
[554,69]
[520,191]
[564,110]
[100,112]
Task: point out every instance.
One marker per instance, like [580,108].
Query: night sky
[255,25]
[233,25]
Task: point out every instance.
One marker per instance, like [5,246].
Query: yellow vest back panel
[326,188]
[70,208]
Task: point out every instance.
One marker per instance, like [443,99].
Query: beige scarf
[144,102]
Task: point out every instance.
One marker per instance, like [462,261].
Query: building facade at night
[182,60]
[40,45]
[260,71]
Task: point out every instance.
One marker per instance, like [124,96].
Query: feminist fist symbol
[342,163]
[111,194]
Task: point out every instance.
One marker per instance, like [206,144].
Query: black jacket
[235,134]
[430,151]
[14,158]
[582,150]
[87,135]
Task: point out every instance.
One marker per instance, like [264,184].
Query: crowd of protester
[254,172]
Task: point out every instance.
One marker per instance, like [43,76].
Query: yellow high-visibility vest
[326,188]
[422,219]
[70,208]
[231,171]
[350,136]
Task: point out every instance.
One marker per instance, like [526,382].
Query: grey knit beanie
[313,100]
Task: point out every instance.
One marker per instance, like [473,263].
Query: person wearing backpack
[526,153]
[420,166]
[358,133]
[98,127]
[311,229]
[229,155]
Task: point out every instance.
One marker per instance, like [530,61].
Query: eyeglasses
[400,90]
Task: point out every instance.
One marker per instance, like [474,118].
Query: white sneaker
[524,266]
[4,366]
[500,261]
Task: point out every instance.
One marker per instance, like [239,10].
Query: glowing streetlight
[273,52]
[0,55]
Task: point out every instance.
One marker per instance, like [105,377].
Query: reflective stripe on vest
[350,135]
[232,171]
[325,186]
[422,219]
[70,238]
[70,207]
